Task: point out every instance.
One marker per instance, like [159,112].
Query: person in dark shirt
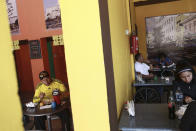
[186,80]
[188,120]
[163,61]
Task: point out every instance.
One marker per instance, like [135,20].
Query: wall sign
[35,51]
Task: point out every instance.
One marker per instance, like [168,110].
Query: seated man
[43,94]
[164,61]
[142,68]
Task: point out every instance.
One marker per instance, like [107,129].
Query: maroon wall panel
[60,64]
[44,52]
[23,68]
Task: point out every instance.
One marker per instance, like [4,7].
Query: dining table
[148,117]
[150,90]
[160,81]
[48,112]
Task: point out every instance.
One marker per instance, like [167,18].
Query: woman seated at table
[186,80]
[141,68]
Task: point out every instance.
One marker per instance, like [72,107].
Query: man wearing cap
[186,80]
[43,94]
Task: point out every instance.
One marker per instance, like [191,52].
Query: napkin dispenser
[180,112]
[31,104]
[131,108]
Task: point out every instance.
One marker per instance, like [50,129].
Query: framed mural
[52,14]
[13,16]
[175,35]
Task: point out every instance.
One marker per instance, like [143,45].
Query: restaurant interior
[91,51]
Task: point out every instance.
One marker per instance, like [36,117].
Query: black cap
[183,66]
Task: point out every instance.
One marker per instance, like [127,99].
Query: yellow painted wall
[85,64]
[10,111]
[120,51]
[167,8]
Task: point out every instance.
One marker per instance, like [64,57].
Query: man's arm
[36,98]
[145,76]
[64,93]
[148,76]
[168,63]
[39,97]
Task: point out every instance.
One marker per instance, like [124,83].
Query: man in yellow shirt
[43,94]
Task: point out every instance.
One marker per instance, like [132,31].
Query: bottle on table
[53,104]
[171,106]
[139,78]
[56,96]
[155,77]
[179,97]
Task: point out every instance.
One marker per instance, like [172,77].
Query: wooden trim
[49,39]
[23,42]
[143,3]
[107,51]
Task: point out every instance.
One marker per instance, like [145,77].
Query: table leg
[146,95]
[49,123]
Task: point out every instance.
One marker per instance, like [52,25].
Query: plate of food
[31,104]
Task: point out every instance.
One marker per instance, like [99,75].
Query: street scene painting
[13,16]
[174,35]
[52,14]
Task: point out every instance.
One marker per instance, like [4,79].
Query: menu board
[35,51]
